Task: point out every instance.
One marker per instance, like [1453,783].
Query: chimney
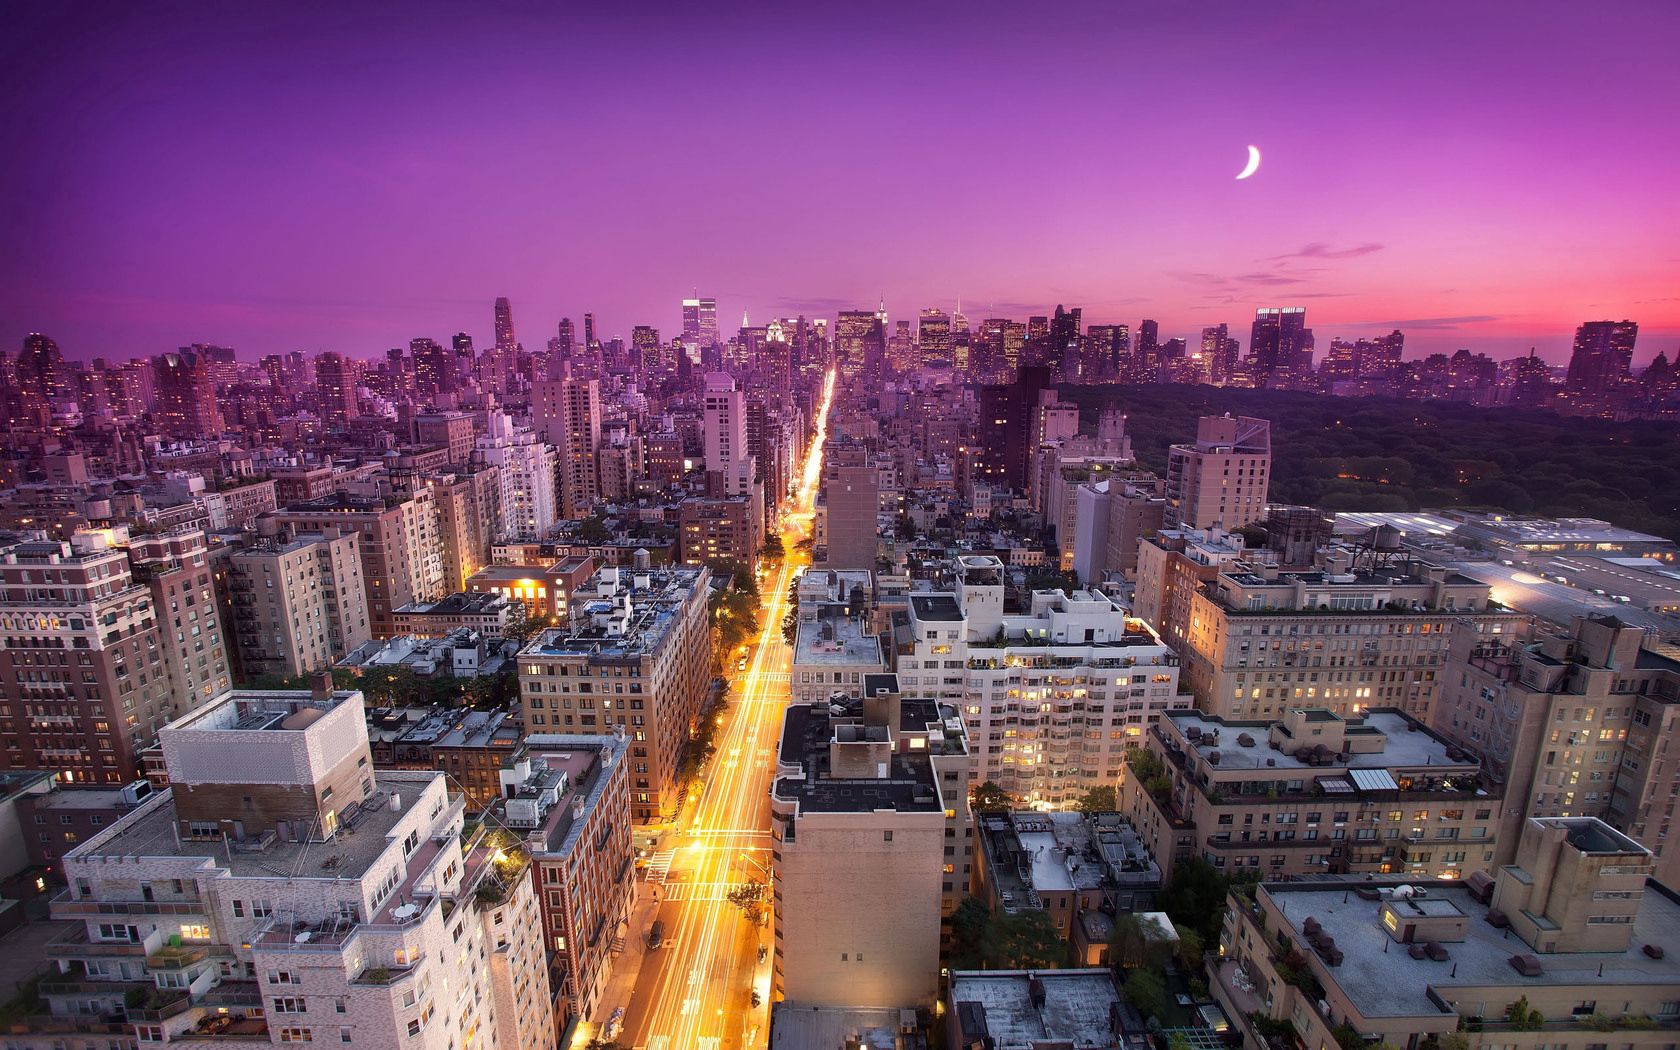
[321,685]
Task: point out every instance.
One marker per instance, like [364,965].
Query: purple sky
[282,176]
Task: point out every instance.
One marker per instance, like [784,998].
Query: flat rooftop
[1407,744]
[999,1004]
[457,604]
[151,831]
[911,785]
[588,762]
[1034,852]
[936,607]
[836,640]
[1390,983]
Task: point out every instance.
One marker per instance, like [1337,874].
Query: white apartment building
[529,502]
[280,891]
[1050,698]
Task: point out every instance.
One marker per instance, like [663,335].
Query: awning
[1335,786]
[1373,780]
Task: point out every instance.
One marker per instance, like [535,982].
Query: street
[695,989]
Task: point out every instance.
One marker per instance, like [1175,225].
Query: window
[297,1035]
[344,1035]
[283,977]
[290,1004]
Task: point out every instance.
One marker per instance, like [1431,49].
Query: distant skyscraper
[700,325]
[589,340]
[434,367]
[42,374]
[933,336]
[186,399]
[1107,347]
[335,383]
[1007,412]
[1280,344]
[860,342]
[504,326]
[1602,357]
[1148,354]
[1219,353]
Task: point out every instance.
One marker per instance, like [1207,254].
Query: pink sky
[1482,175]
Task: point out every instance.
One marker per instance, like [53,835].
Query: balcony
[75,943]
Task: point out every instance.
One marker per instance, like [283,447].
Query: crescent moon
[1253,162]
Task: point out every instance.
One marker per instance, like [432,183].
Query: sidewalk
[627,965]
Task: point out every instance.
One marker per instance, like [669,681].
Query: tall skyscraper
[335,382]
[186,399]
[1602,357]
[567,414]
[1219,353]
[860,344]
[1280,344]
[1007,416]
[42,374]
[504,326]
[1146,360]
[589,340]
[700,326]
[933,336]
[434,367]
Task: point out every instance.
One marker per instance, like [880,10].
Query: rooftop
[152,831]
[941,607]
[459,603]
[911,785]
[621,614]
[1384,982]
[586,761]
[1406,744]
[835,640]
[1019,1009]
[1032,853]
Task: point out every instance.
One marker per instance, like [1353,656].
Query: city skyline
[325,196]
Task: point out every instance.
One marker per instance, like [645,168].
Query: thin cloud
[1320,250]
[1431,323]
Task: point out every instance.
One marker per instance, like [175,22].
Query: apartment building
[105,641]
[725,528]
[298,603]
[871,792]
[1573,934]
[834,652]
[1051,697]
[1223,477]
[569,795]
[470,747]
[1366,629]
[399,543]
[1313,793]
[526,467]
[485,612]
[634,658]
[282,891]
[1572,724]
[1081,869]
[1172,565]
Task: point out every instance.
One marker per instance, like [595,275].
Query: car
[656,934]
[742,664]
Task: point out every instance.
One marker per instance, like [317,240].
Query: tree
[750,897]
[1195,897]
[1100,799]
[1146,989]
[968,932]
[990,796]
[774,549]
[520,626]
[1524,1019]
[1190,950]
[1023,941]
[592,531]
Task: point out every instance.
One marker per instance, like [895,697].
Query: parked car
[656,934]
